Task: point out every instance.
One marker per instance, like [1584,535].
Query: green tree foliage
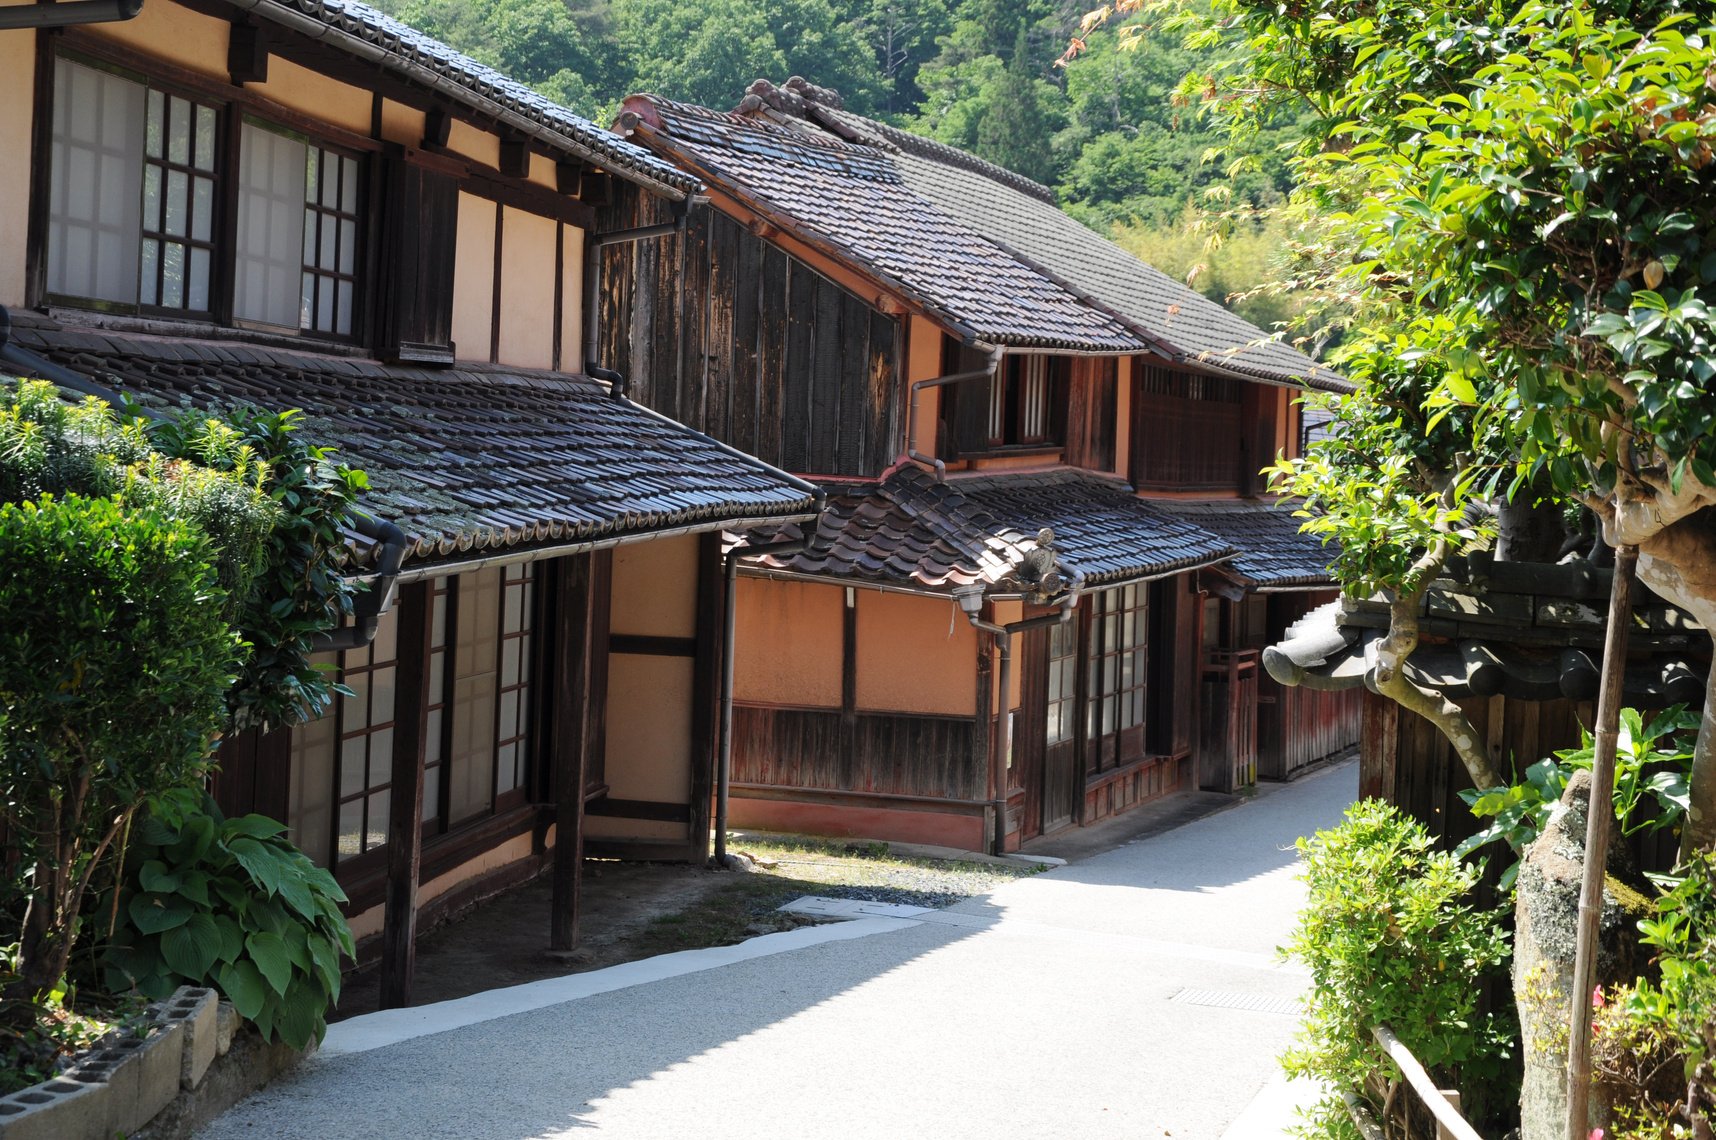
[1011,131]
[1391,936]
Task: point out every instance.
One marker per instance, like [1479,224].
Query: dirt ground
[504,941]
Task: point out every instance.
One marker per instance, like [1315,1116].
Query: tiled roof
[852,199]
[1273,550]
[402,48]
[463,461]
[908,530]
[1022,216]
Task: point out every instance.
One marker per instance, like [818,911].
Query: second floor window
[1025,401]
[137,181]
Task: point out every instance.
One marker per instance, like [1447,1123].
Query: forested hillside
[979,74]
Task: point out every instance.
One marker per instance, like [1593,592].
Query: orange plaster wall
[1123,416]
[923,362]
[177,35]
[787,643]
[401,124]
[1006,613]
[315,94]
[527,290]
[474,278]
[473,143]
[649,728]
[915,655]
[542,171]
[655,588]
[17,94]
[572,300]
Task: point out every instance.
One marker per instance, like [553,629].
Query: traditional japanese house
[992,634]
[310,205]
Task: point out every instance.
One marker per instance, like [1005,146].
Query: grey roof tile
[467,460]
[1274,552]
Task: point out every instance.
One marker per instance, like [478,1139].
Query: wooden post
[706,691]
[980,755]
[572,650]
[405,798]
[1599,823]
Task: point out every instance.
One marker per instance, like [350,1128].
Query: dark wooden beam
[437,126]
[41,166]
[706,688]
[515,158]
[569,176]
[593,187]
[647,645]
[570,645]
[405,798]
[247,54]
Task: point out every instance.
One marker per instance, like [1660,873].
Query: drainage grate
[1228,999]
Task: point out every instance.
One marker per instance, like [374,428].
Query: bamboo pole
[1447,1116]
[1599,825]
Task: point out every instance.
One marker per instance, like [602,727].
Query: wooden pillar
[405,809]
[570,740]
[984,720]
[706,691]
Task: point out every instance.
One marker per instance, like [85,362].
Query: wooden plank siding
[1296,726]
[729,334]
[1187,432]
[1092,405]
[887,753]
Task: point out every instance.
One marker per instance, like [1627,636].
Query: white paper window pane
[173,276]
[343,310]
[330,181]
[380,758]
[432,795]
[386,643]
[378,811]
[156,129]
[324,305]
[205,138]
[308,252]
[437,676]
[438,622]
[178,130]
[348,246]
[508,715]
[507,777]
[351,829]
[348,185]
[381,698]
[356,707]
[329,255]
[270,227]
[197,285]
[306,299]
[97,169]
[310,803]
[353,758]
[432,738]
[202,209]
[151,271]
[178,187]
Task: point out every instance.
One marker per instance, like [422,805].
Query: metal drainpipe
[724,758]
[64,15]
[995,353]
[1004,733]
[369,608]
[593,246]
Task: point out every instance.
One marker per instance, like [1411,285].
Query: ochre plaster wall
[401,124]
[787,643]
[474,278]
[314,94]
[473,143]
[527,290]
[167,31]
[915,655]
[572,300]
[1006,613]
[649,727]
[923,362]
[17,94]
[655,588]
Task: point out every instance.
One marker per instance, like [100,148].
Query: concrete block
[60,1109]
[198,1008]
[227,1025]
[159,1062]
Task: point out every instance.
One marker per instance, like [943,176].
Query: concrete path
[1135,993]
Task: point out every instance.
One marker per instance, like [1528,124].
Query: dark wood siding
[731,335]
[419,216]
[1092,404]
[1186,432]
[886,753]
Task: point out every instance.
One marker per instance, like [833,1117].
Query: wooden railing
[1442,1104]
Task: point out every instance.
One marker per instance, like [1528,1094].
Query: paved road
[1055,1007]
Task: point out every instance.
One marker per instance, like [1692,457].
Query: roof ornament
[794,97]
[1040,570]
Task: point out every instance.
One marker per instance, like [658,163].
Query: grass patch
[789,866]
[54,1033]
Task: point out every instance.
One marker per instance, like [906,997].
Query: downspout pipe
[724,755]
[986,372]
[594,244]
[366,612]
[65,15]
[1004,731]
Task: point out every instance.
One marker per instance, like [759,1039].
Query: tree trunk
[1391,681]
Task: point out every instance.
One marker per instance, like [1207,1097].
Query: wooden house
[310,205]
[986,390]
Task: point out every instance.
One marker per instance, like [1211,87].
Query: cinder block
[196,1008]
[159,1060]
[60,1109]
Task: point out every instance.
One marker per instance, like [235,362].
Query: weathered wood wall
[888,753]
[1297,727]
[1186,431]
[725,332]
[1092,405]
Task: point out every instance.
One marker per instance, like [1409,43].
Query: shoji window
[96,184]
[297,256]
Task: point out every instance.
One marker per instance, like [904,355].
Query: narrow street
[1135,993]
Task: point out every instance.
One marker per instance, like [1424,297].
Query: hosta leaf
[191,950]
[151,913]
[242,984]
[268,951]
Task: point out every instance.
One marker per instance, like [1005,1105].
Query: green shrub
[114,664]
[1390,938]
[229,903]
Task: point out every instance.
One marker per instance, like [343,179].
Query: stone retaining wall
[189,1062]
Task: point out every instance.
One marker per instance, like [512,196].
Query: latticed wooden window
[180,180]
[1118,668]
